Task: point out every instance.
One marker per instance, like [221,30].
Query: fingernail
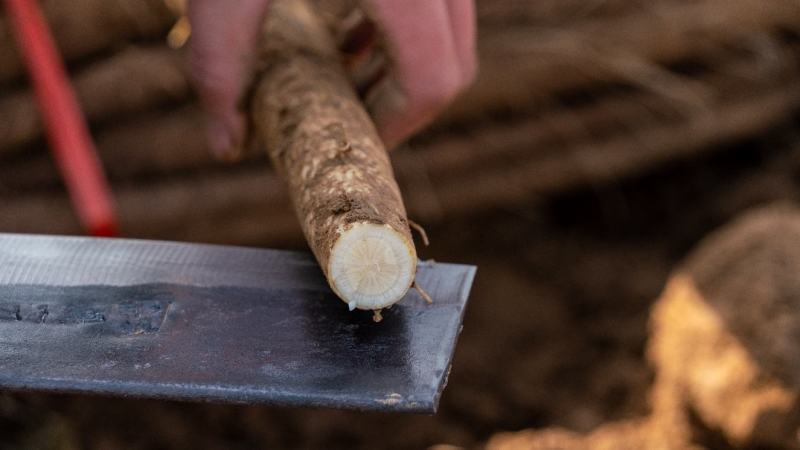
[222,143]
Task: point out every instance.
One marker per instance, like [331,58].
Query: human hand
[431,44]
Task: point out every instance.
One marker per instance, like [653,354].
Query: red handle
[65,125]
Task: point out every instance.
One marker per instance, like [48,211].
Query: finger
[221,51]
[462,25]
[426,70]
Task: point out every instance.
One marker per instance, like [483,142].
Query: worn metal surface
[200,322]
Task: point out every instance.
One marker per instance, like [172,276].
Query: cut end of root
[371,266]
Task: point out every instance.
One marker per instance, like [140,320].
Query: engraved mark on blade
[126,318]
[131,318]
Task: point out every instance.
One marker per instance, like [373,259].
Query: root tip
[425,296]
[421,232]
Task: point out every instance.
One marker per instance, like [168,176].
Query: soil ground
[554,335]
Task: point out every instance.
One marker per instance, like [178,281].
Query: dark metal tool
[215,323]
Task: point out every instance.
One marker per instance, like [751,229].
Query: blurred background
[601,142]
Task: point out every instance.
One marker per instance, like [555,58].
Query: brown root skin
[320,138]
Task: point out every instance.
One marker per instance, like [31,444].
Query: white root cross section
[371,266]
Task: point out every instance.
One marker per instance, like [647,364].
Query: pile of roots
[570,94]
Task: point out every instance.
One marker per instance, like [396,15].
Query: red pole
[67,132]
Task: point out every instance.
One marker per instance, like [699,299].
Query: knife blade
[216,323]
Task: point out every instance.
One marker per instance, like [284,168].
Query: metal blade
[215,323]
